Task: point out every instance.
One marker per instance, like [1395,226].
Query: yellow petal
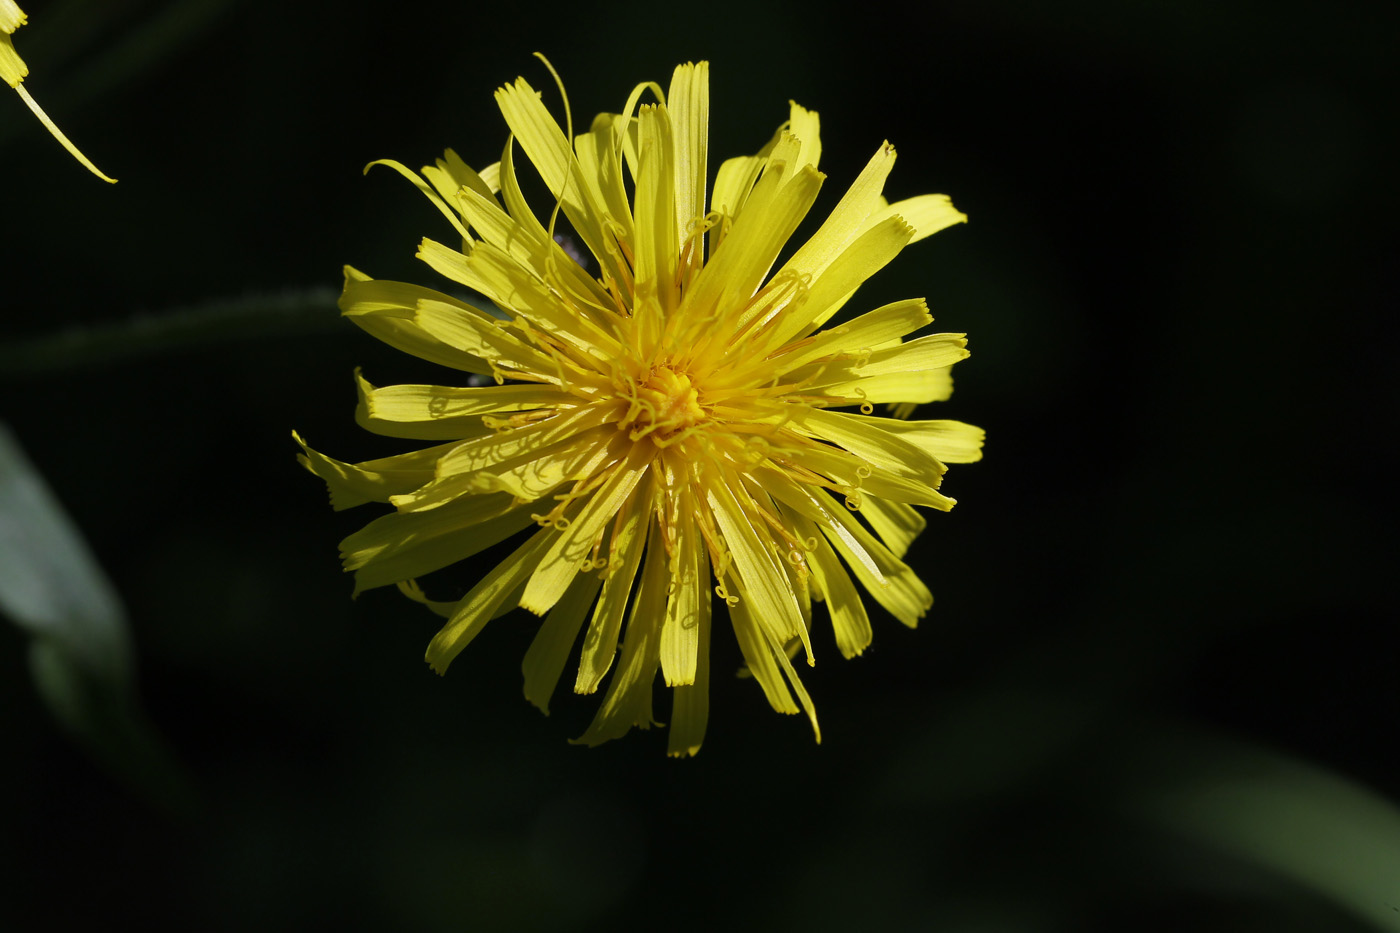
[623,557]
[680,632]
[690,704]
[373,480]
[600,167]
[549,651]
[428,192]
[527,477]
[11,16]
[869,439]
[521,234]
[848,220]
[450,406]
[628,700]
[524,442]
[896,523]
[544,142]
[931,385]
[13,70]
[849,620]
[758,655]
[401,546]
[387,310]
[476,608]
[657,246]
[863,333]
[927,214]
[866,255]
[33,105]
[572,545]
[764,582]
[736,270]
[949,441]
[689,103]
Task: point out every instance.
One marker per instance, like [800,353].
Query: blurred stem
[308,311]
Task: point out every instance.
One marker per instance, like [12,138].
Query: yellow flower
[667,425]
[14,70]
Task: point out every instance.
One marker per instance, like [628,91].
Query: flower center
[666,403]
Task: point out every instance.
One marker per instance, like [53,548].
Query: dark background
[1171,565]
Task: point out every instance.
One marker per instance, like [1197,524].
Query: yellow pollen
[666,403]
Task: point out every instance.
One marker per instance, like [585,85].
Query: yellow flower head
[668,426]
[13,70]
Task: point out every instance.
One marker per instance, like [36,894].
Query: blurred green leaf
[1319,830]
[80,656]
[302,311]
[50,585]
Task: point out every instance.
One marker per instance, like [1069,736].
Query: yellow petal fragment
[413,591]
[894,586]
[449,175]
[11,16]
[428,192]
[33,105]
[857,475]
[13,70]
[481,336]
[781,656]
[733,184]
[934,351]
[896,523]
[927,214]
[476,608]
[549,651]
[600,167]
[805,126]
[493,272]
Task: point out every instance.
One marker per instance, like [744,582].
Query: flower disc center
[666,403]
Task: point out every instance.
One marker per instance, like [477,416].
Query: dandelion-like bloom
[13,70]
[667,426]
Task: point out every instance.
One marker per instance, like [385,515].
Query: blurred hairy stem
[305,311]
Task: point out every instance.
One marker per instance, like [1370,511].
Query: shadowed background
[1158,681]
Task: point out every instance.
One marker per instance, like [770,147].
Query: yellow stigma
[665,404]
